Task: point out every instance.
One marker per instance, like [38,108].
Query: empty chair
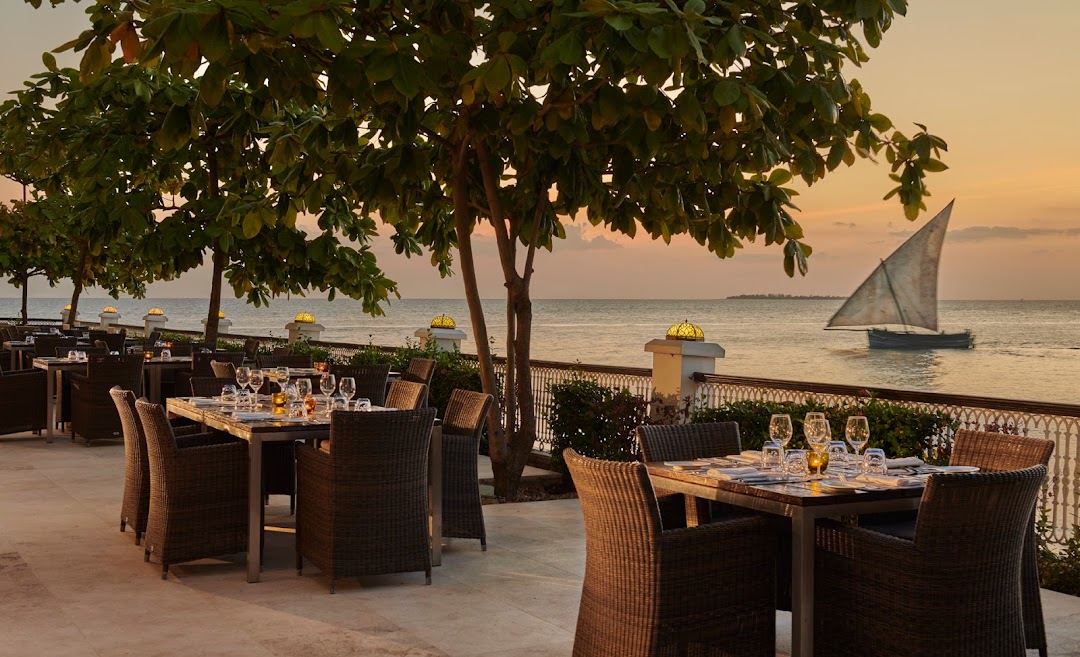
[420,370]
[93,413]
[370,380]
[406,395]
[46,346]
[952,590]
[151,339]
[462,428]
[223,370]
[267,361]
[209,386]
[198,493]
[649,591]
[251,349]
[363,507]
[116,341]
[200,366]
[136,505]
[22,401]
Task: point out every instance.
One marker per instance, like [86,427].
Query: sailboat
[902,291]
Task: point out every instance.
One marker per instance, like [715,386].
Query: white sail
[903,288]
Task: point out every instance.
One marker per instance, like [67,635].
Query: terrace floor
[72,585]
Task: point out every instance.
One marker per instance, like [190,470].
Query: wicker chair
[370,380]
[198,492]
[116,341]
[47,345]
[150,340]
[209,386]
[22,401]
[993,452]
[251,348]
[363,506]
[406,395]
[650,591]
[950,591]
[93,414]
[268,361]
[462,427]
[200,366]
[420,370]
[224,370]
[136,505]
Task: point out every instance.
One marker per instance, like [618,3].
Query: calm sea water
[1023,349]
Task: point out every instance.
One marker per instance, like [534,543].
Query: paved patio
[72,585]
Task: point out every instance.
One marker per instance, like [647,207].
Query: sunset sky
[1000,85]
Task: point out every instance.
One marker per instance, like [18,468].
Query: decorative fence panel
[1057,422]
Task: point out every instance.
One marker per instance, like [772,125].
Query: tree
[30,250]
[680,117]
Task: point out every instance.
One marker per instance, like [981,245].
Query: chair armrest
[188,440]
[859,552]
[745,544]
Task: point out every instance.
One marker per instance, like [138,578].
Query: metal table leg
[802,583]
[50,404]
[255,503]
[435,481]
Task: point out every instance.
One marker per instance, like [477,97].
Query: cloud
[987,233]
[576,241]
[844,224]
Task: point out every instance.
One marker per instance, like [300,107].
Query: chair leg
[292,503]
[332,586]
[483,544]
[146,555]
[164,571]
[427,578]
[123,524]
[138,538]
[299,565]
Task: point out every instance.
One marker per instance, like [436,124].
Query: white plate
[947,469]
[686,465]
[837,486]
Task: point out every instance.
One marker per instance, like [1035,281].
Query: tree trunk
[218,258]
[524,436]
[25,293]
[497,449]
[77,278]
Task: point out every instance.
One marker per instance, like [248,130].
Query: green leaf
[735,41]
[253,223]
[329,33]
[867,8]
[933,166]
[407,78]
[497,75]
[619,22]
[780,177]
[824,103]
[49,60]
[726,92]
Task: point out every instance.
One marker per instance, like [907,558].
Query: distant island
[782,296]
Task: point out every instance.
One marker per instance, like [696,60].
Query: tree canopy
[677,117]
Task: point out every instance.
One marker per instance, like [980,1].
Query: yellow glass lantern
[304,318]
[67,307]
[443,322]
[221,314]
[685,331]
[155,311]
[109,309]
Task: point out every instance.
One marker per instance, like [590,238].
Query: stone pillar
[223,325]
[155,320]
[109,317]
[66,318]
[675,361]
[445,339]
[304,325]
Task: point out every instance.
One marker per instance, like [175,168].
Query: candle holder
[148,356]
[279,399]
[309,404]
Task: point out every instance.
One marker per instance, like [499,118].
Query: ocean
[1023,349]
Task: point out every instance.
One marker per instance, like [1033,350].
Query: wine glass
[347,388]
[816,428]
[780,429]
[303,387]
[857,432]
[257,378]
[327,383]
[281,374]
[243,377]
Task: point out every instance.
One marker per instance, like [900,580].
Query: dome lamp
[109,309]
[67,307]
[221,314]
[155,311]
[443,322]
[304,318]
[685,331]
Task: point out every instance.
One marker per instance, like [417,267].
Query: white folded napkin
[890,481]
[254,415]
[732,474]
[906,462]
[746,458]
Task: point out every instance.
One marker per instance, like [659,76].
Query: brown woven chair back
[370,380]
[47,345]
[62,352]
[223,370]
[251,348]
[466,412]
[406,395]
[115,341]
[97,334]
[993,452]
[463,426]
[209,386]
[101,344]
[200,363]
[420,370]
[621,516]
[267,361]
[685,442]
[363,508]
[124,371]
[152,338]
[283,350]
[136,504]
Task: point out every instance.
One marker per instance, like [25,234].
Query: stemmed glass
[857,432]
[816,428]
[327,383]
[257,380]
[347,388]
[780,429]
[282,376]
[243,378]
[303,389]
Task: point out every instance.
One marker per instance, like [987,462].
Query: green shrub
[229,345]
[899,430]
[1058,570]
[304,347]
[594,420]
[172,336]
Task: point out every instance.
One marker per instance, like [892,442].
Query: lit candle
[279,399]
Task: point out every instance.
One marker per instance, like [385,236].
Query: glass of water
[875,461]
[795,463]
[772,457]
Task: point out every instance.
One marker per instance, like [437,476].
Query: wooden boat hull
[883,339]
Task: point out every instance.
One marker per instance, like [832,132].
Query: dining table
[275,426]
[18,349]
[54,366]
[803,501]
